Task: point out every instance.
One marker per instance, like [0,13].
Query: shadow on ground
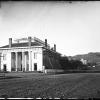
[9,77]
[4,96]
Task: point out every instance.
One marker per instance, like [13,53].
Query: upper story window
[35,55]
[4,56]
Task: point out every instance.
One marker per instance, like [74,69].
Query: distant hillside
[92,57]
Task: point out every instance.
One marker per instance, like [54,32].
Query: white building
[83,61]
[28,54]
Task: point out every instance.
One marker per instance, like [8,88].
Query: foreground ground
[39,85]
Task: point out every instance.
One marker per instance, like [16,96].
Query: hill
[92,57]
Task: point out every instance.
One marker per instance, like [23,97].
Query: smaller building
[83,61]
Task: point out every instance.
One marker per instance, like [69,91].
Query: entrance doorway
[35,66]
[4,68]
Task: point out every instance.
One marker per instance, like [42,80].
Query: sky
[73,27]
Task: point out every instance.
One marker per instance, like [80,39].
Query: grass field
[39,85]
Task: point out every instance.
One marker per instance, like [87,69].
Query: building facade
[28,54]
[83,61]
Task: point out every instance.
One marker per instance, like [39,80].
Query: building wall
[6,60]
[37,59]
[51,60]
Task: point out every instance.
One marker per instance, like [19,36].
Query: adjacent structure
[83,61]
[28,54]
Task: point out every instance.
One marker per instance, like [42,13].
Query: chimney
[46,43]
[29,41]
[10,42]
[54,47]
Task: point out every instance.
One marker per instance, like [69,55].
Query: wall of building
[37,59]
[6,60]
[51,60]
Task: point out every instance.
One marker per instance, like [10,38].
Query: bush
[72,64]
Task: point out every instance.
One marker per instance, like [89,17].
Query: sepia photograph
[49,49]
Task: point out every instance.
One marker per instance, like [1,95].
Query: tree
[72,64]
[64,62]
[75,64]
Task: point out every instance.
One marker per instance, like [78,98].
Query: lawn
[39,85]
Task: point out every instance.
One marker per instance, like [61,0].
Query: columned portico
[26,60]
[22,61]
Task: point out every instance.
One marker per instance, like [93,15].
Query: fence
[70,71]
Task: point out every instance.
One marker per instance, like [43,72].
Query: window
[4,67]
[35,66]
[35,55]
[4,56]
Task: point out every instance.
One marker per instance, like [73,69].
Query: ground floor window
[4,67]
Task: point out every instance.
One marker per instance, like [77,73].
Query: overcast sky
[73,27]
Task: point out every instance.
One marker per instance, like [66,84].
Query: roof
[24,44]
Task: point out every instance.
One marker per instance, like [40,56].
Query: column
[0,61]
[8,61]
[23,61]
[30,61]
[16,60]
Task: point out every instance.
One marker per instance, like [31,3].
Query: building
[83,61]
[28,54]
